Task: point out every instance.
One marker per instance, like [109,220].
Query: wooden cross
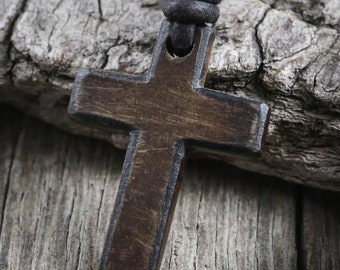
[165,112]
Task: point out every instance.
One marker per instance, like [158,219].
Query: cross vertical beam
[145,203]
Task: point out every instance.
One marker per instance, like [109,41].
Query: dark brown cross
[165,111]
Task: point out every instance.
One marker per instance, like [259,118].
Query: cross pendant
[165,112]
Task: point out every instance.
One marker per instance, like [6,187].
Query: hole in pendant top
[179,52]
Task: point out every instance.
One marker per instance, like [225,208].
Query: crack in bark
[260,47]
[155,4]
[49,47]
[100,11]
[107,56]
[8,38]
[257,39]
[57,6]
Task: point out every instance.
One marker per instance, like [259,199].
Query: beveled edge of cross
[197,82]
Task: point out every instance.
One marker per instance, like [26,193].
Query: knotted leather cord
[185,16]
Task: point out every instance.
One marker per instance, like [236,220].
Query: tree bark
[285,53]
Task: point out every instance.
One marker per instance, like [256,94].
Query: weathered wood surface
[58,191]
[320,229]
[284,53]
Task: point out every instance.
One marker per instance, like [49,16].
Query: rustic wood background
[57,190]
[57,193]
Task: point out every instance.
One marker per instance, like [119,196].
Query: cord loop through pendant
[185,16]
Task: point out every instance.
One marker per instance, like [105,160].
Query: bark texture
[58,191]
[285,53]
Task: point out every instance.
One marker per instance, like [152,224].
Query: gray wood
[8,142]
[59,199]
[61,194]
[284,53]
[320,230]
[241,221]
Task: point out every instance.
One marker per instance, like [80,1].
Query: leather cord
[185,16]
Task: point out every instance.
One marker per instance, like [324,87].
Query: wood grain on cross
[164,111]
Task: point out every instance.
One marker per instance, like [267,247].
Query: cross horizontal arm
[227,123]
[96,95]
[171,100]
